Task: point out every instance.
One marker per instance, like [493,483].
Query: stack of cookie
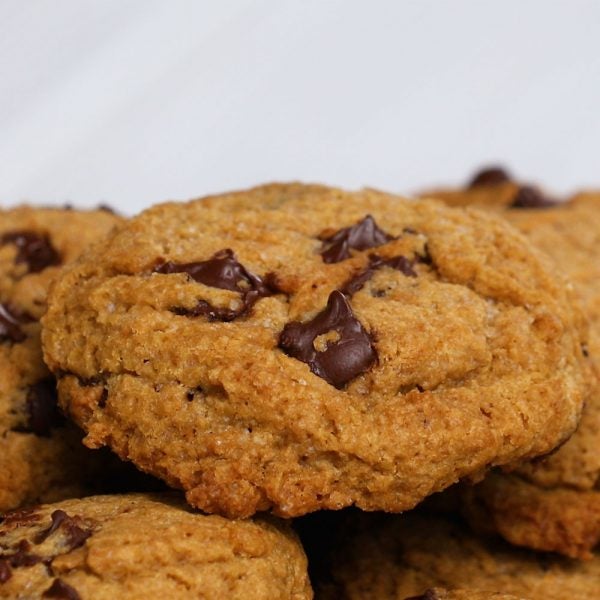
[297,349]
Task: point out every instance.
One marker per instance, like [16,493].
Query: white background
[130,102]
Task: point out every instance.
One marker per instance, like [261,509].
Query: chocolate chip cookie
[441,594]
[553,503]
[146,546]
[41,457]
[394,557]
[292,348]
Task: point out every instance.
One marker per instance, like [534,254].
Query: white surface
[131,102]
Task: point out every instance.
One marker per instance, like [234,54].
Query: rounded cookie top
[146,546]
[39,454]
[392,557]
[299,347]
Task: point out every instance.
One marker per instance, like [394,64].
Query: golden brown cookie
[140,546]
[41,456]
[393,557]
[561,510]
[441,594]
[295,348]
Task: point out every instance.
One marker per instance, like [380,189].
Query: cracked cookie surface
[138,546]
[554,502]
[41,456]
[292,348]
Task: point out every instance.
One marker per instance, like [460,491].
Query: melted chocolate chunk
[61,590]
[10,325]
[347,354]
[32,248]
[530,197]
[428,595]
[212,313]
[490,176]
[42,407]
[399,263]
[17,518]
[5,571]
[74,534]
[222,271]
[365,234]
[21,557]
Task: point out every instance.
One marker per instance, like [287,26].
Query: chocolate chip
[365,234]
[107,208]
[21,517]
[103,398]
[32,248]
[42,407]
[212,313]
[489,176]
[10,325]
[222,271]
[58,517]
[61,590]
[74,534]
[21,557]
[348,353]
[399,263]
[5,571]
[428,595]
[424,259]
[530,197]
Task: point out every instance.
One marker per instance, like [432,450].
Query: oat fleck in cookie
[41,457]
[146,546]
[292,348]
[553,503]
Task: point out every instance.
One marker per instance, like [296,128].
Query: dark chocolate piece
[17,518]
[32,248]
[428,595]
[10,325]
[5,571]
[530,197]
[21,557]
[347,354]
[365,234]
[75,535]
[489,176]
[42,407]
[399,263]
[61,590]
[221,271]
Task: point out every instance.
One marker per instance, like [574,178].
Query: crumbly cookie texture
[293,348]
[559,519]
[441,594]
[139,546]
[392,557]
[41,457]
[562,513]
